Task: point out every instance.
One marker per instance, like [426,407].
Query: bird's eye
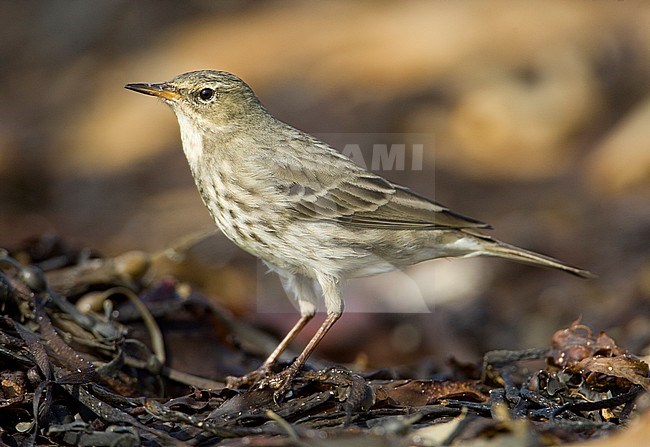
[206,94]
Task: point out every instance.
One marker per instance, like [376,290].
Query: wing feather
[323,184]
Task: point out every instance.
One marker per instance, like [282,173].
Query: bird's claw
[280,383]
[253,377]
[262,378]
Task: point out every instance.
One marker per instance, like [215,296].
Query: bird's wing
[326,185]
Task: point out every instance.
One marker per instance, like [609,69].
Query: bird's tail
[503,250]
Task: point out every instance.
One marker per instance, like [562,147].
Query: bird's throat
[193,142]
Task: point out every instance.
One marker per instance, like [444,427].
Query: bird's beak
[162,91]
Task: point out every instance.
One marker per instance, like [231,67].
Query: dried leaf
[417,393]
[625,367]
[571,345]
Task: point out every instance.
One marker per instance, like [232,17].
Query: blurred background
[537,114]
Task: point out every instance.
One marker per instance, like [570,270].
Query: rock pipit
[306,210]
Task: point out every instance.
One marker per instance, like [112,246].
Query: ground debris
[83,362]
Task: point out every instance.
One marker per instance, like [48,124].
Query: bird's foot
[280,383]
[249,379]
[263,377]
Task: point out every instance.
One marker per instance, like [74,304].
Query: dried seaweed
[72,372]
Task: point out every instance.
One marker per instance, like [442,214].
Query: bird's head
[207,98]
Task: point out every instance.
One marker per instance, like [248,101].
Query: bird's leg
[299,362]
[281,382]
[301,288]
[265,369]
[282,346]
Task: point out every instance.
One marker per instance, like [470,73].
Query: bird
[307,211]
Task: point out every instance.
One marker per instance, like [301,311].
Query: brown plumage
[304,208]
